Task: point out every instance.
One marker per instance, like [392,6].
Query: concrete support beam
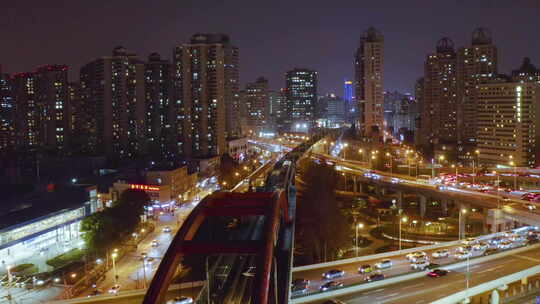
[400,199]
[423,204]
[444,206]
[494,298]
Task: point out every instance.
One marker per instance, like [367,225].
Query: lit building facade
[51,87]
[7,113]
[476,64]
[527,72]
[439,98]
[205,77]
[112,98]
[158,113]
[182,184]
[369,75]
[508,123]
[28,123]
[256,102]
[277,102]
[301,97]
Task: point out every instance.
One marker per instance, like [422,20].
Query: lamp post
[391,167]
[404,220]
[461,211]
[513,163]
[361,152]
[457,182]
[114,255]
[498,189]
[359,226]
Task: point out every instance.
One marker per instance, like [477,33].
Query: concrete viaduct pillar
[464,210]
[494,298]
[400,199]
[444,206]
[423,204]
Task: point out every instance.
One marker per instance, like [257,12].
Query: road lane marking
[413,286]
[491,269]
[527,258]
[373,291]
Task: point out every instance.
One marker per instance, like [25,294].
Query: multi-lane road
[400,264]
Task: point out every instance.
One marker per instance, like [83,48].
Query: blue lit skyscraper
[348,91]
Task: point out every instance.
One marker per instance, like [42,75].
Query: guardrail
[322,295]
[392,253]
[125,294]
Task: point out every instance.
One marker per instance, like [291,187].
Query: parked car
[375,277]
[437,273]
[384,264]
[334,273]
[331,285]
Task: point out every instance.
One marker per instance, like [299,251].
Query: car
[437,273]
[250,272]
[366,268]
[480,246]
[462,255]
[417,255]
[331,285]
[181,300]
[333,273]
[468,241]
[419,264]
[443,253]
[114,289]
[490,251]
[155,243]
[143,256]
[233,223]
[333,302]
[384,264]
[375,277]
[505,245]
[167,229]
[93,293]
[299,289]
[300,282]
[466,248]
[496,240]
[395,180]
[149,261]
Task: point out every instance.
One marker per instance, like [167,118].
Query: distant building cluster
[469,111]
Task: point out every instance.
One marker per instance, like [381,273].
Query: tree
[108,227]
[321,227]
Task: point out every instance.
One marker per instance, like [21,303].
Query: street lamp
[498,189]
[404,220]
[361,152]
[514,164]
[359,226]
[391,167]
[457,182]
[114,255]
[461,211]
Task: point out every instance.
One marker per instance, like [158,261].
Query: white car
[415,256]
[114,289]
[155,243]
[395,180]
[443,253]
[505,245]
[468,241]
[480,246]
[181,300]
[420,264]
[462,255]
[167,229]
[383,264]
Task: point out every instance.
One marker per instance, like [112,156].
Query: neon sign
[144,187]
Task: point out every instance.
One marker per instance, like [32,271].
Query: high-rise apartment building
[439,98]
[112,96]
[158,113]
[205,80]
[336,110]
[508,122]
[7,113]
[28,121]
[527,72]
[257,107]
[369,61]
[301,96]
[276,101]
[51,94]
[475,65]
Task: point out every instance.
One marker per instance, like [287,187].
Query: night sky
[273,36]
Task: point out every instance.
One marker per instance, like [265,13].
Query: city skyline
[341,30]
